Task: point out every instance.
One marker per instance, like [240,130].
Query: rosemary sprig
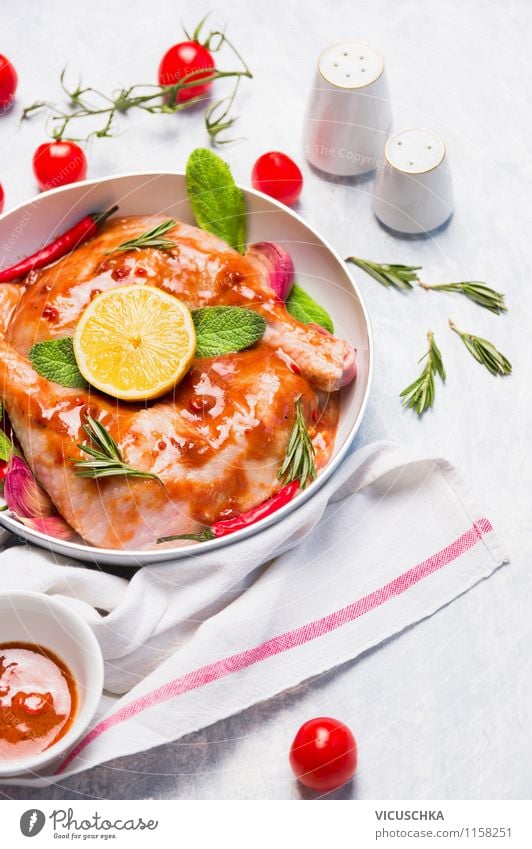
[398,276]
[204,536]
[419,396]
[106,457]
[88,102]
[476,291]
[150,239]
[484,352]
[298,463]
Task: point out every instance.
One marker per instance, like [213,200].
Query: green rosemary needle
[398,276]
[419,396]
[298,463]
[106,457]
[484,352]
[476,291]
[150,239]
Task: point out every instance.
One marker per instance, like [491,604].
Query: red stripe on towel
[289,640]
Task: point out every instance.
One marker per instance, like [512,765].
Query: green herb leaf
[484,352]
[203,536]
[476,291]
[152,238]
[419,395]
[306,310]
[222,330]
[298,463]
[6,447]
[218,204]
[107,460]
[398,276]
[55,360]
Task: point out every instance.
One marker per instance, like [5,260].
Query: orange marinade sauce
[38,700]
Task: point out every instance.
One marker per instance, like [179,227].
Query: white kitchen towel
[387,541]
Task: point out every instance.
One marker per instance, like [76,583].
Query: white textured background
[444,710]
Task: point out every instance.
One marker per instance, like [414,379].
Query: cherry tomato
[3,469]
[58,163]
[1,198]
[277,175]
[8,83]
[184,59]
[323,755]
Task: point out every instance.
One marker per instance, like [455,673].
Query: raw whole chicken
[217,440]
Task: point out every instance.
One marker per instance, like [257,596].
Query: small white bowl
[29,617]
[413,190]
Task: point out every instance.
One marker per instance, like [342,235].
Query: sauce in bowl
[38,700]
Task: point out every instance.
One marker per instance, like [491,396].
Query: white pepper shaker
[413,190]
[349,113]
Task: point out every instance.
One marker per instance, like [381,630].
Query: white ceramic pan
[319,270]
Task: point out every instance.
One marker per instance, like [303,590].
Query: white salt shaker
[349,114]
[413,190]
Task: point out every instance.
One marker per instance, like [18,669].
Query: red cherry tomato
[8,83]
[323,755]
[1,199]
[3,469]
[277,175]
[185,59]
[58,163]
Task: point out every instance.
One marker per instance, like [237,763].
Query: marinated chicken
[215,442]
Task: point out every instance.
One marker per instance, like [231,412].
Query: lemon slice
[134,342]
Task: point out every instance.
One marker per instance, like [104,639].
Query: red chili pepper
[229,526]
[65,243]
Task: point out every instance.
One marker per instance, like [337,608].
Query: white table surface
[443,710]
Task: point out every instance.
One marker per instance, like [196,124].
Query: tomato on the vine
[57,163]
[323,754]
[277,175]
[8,83]
[1,198]
[187,59]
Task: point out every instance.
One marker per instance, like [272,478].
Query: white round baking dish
[319,270]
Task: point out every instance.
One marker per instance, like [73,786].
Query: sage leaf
[218,204]
[55,360]
[306,310]
[223,330]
